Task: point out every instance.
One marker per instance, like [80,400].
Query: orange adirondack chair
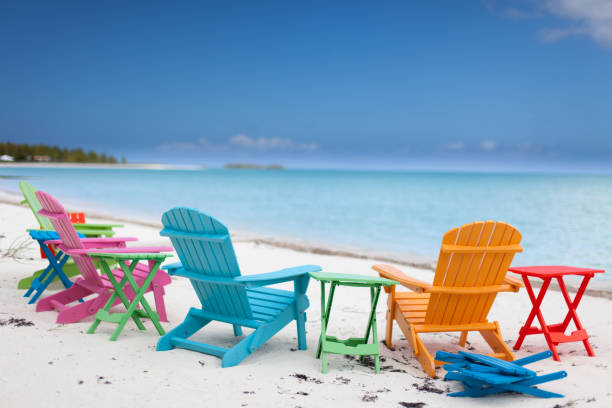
[471,270]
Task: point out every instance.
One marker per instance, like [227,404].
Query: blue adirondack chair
[484,375]
[207,256]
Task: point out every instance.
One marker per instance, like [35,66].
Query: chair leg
[38,282]
[70,270]
[48,276]
[66,296]
[300,321]
[190,325]
[38,275]
[240,351]
[237,330]
[160,305]
[41,288]
[323,362]
[25,283]
[495,341]
[389,330]
[253,341]
[58,266]
[426,360]
[301,303]
[463,338]
[80,311]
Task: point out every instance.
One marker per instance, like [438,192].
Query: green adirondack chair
[89,230]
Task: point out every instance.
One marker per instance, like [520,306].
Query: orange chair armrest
[389,272]
[516,283]
[470,290]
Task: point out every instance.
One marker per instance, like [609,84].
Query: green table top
[345,278]
[130,256]
[97,226]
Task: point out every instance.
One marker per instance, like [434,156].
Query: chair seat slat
[169,232]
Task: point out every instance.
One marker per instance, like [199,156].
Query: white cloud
[455,146]
[176,146]
[187,146]
[204,142]
[242,141]
[594,18]
[556,34]
[515,11]
[269,143]
[529,147]
[261,143]
[488,145]
[308,147]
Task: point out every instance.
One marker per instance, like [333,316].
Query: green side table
[128,262]
[357,346]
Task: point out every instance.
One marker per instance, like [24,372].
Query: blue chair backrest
[204,247]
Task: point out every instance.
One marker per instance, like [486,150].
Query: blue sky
[391,84]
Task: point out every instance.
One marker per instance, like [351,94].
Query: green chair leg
[358,346]
[104,314]
[132,310]
[324,362]
[325,313]
[139,299]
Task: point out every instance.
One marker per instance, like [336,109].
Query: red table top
[553,271]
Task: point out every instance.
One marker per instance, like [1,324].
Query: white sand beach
[53,365]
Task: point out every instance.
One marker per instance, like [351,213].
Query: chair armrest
[271,278]
[264,279]
[470,290]
[389,272]
[98,242]
[173,267]
[515,283]
[131,250]
[176,269]
[94,241]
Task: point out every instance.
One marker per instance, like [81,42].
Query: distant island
[11,152]
[252,166]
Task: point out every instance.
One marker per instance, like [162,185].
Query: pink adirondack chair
[92,283]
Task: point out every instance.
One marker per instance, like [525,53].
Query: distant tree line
[27,152]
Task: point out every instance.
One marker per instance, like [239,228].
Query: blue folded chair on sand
[484,375]
[207,256]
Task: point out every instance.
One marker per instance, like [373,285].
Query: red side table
[555,333]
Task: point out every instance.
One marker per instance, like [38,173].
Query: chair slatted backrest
[204,247]
[29,194]
[473,255]
[52,209]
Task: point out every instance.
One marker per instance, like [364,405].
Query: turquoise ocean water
[564,219]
